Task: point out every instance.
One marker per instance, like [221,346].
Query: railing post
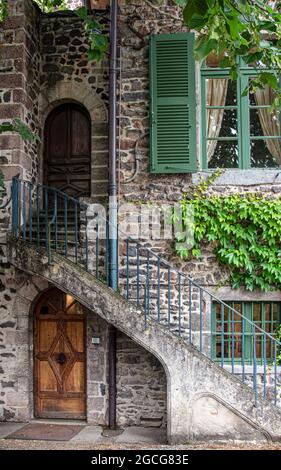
[30,212]
[201,318]
[15,207]
[222,336]
[46,219]
[65,227]
[113,243]
[255,364]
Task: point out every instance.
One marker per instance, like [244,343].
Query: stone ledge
[238,177]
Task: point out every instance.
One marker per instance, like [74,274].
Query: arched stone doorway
[67,151]
[59,356]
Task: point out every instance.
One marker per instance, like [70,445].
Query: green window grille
[266,315]
[172,104]
[238,128]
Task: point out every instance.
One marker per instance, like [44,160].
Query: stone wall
[16,351]
[44,63]
[19,85]
[141,386]
[141,381]
[134,128]
[67,75]
[204,401]
[19,89]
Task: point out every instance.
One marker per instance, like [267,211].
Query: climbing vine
[244,231]
[18,127]
[98,41]
[3,9]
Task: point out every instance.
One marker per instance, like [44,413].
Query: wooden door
[59,357]
[67,161]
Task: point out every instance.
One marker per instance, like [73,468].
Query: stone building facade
[43,64]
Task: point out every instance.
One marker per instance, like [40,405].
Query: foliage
[3,9]
[98,41]
[19,127]
[204,184]
[48,6]
[245,233]
[249,29]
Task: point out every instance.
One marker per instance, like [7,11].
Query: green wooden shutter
[172,104]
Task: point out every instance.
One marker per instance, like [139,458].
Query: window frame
[243,107]
[247,310]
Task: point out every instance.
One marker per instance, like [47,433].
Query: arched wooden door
[59,357]
[67,159]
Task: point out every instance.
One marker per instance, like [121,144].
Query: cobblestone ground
[6,444]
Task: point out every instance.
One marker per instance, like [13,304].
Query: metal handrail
[182,282]
[194,283]
[6,203]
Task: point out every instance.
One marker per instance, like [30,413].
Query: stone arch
[77,92]
[29,291]
[65,92]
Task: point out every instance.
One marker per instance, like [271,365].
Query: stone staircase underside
[203,400]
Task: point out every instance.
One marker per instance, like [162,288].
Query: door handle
[61,358]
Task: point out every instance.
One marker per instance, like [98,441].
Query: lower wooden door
[59,357]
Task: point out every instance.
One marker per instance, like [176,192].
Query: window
[237,131]
[231,333]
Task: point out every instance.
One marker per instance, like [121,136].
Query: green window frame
[243,108]
[266,315]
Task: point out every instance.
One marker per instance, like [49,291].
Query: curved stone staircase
[158,307]
[204,400]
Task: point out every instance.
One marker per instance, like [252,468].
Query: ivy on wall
[244,231]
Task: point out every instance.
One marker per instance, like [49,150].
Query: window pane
[75,309]
[221,123]
[266,153]
[259,349]
[221,92]
[222,154]
[263,97]
[275,311]
[264,122]
[257,313]
[267,318]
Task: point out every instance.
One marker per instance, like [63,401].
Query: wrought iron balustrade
[46,217]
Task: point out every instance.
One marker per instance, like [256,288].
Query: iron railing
[47,217]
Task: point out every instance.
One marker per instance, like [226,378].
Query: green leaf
[203,47]
[194,13]
[94,54]
[82,12]
[181,3]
